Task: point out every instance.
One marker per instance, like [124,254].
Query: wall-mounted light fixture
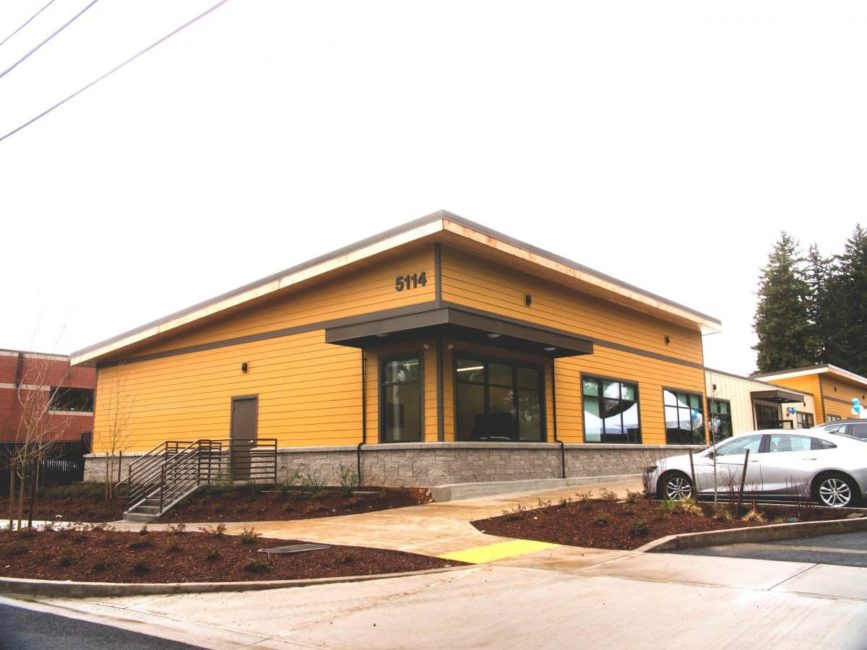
[549,348]
[244,366]
[493,335]
[667,339]
[528,299]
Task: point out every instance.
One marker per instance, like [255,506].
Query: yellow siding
[807,384]
[364,290]
[651,375]
[839,394]
[493,288]
[309,394]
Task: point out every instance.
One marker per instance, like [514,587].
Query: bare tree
[115,417]
[39,430]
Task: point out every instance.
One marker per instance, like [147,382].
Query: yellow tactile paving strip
[500,551]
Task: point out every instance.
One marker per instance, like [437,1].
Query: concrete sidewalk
[430,529]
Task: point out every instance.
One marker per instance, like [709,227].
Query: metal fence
[63,465]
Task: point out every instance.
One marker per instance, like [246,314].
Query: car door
[726,462]
[789,462]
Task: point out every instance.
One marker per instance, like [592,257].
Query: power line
[27,22]
[114,69]
[56,32]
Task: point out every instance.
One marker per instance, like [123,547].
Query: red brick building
[30,381]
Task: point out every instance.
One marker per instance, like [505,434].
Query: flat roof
[425,227]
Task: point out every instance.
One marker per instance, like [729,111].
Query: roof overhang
[462,325]
[778,395]
[441,225]
[827,369]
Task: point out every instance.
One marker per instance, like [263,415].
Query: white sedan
[799,464]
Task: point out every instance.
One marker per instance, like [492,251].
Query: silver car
[812,464]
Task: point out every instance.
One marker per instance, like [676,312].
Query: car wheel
[836,491]
[675,487]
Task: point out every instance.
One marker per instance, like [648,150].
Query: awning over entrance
[777,395]
[462,324]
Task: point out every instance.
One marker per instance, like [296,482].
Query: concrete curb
[460,491]
[768,533]
[71,589]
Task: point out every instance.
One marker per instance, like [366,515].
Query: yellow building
[437,352]
[833,388]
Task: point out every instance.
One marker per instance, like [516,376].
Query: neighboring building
[31,382]
[440,351]
[833,387]
[742,404]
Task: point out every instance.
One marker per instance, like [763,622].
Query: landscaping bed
[100,554]
[628,524]
[85,502]
[255,503]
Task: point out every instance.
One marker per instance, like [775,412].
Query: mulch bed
[86,502]
[251,503]
[104,555]
[596,523]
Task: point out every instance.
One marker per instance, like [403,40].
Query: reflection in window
[401,400]
[719,418]
[684,418]
[498,400]
[610,411]
[739,446]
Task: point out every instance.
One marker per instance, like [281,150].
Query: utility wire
[56,32]
[114,69]
[27,22]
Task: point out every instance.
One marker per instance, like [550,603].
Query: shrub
[141,567]
[15,548]
[26,533]
[213,556]
[542,503]
[608,495]
[66,560]
[348,481]
[689,506]
[639,528]
[99,566]
[177,529]
[255,566]
[290,481]
[144,530]
[174,548]
[214,531]
[312,484]
[141,544]
[249,536]
[754,515]
[564,501]
[633,496]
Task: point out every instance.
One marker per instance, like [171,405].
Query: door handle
[810,458]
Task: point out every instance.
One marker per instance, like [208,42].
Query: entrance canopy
[779,395]
[462,324]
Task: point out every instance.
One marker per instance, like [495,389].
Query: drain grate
[293,548]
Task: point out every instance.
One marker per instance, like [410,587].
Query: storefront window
[610,411]
[720,418]
[497,400]
[684,418]
[400,419]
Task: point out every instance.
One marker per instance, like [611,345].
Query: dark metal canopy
[464,325]
[777,395]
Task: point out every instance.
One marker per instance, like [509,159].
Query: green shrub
[214,531]
[177,529]
[15,548]
[213,556]
[141,567]
[348,481]
[608,495]
[639,528]
[255,566]
[312,484]
[249,536]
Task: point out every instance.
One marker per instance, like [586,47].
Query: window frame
[710,414]
[801,415]
[381,385]
[600,379]
[486,359]
[703,414]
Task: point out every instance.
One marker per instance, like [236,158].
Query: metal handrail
[144,474]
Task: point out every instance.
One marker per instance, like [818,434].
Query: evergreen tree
[781,320]
[850,308]
[820,274]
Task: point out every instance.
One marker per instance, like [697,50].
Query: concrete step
[138,516]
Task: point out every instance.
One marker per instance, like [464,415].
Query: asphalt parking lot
[844,549]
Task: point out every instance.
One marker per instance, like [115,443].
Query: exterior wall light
[549,348]
[244,366]
[667,339]
[528,299]
[493,335]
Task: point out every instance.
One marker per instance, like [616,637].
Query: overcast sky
[664,143]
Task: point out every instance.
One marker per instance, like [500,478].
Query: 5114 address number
[410,281]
